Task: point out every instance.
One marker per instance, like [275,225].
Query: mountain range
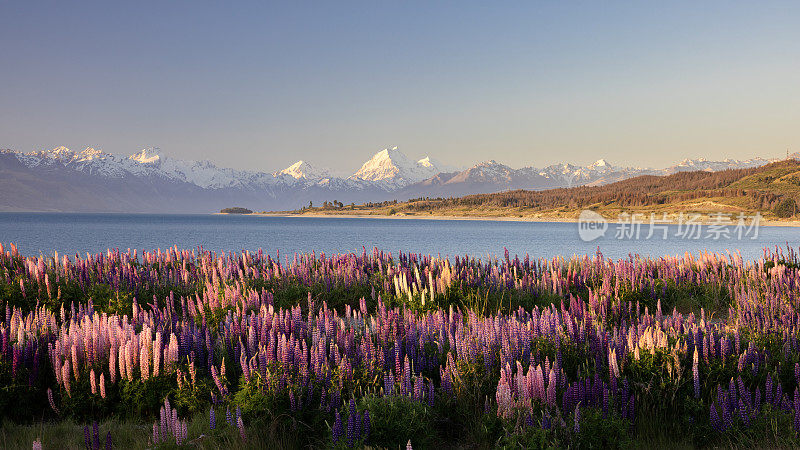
[95,181]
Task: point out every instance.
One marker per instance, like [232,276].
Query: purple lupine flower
[336,430]
[351,424]
[727,417]
[768,389]
[366,427]
[797,410]
[716,422]
[744,413]
[95,436]
[212,419]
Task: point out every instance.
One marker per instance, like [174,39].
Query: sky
[260,85]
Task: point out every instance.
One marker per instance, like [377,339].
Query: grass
[131,434]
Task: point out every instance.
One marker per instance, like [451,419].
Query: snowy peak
[89,154]
[713,166]
[393,169]
[428,162]
[302,170]
[146,156]
[601,164]
[486,171]
[386,164]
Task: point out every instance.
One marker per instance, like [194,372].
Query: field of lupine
[217,350]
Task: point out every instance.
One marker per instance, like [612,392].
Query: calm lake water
[44,233]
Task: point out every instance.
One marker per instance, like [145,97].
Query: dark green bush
[397,419]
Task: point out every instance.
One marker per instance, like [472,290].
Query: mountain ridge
[183,184]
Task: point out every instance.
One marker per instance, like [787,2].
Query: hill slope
[769,190]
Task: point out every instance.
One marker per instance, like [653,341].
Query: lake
[44,233]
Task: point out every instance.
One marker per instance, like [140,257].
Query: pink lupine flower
[103,385]
[51,401]
[65,377]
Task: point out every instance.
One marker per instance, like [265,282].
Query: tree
[785,208]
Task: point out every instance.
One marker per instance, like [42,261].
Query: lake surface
[44,233]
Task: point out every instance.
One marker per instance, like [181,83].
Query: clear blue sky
[528,83]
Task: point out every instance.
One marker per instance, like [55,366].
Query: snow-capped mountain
[705,165]
[148,181]
[147,163]
[391,169]
[303,171]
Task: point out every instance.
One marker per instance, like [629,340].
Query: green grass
[130,434]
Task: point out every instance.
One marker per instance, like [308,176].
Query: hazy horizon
[263,86]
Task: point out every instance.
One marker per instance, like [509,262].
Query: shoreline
[763,223]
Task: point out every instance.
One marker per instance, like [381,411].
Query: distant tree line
[236,210]
[647,190]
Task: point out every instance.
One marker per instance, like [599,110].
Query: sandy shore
[768,223]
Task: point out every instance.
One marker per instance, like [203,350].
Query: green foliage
[144,398]
[601,432]
[397,419]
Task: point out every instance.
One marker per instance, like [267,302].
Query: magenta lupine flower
[797,372]
[696,374]
[418,388]
[65,378]
[192,373]
[240,424]
[51,401]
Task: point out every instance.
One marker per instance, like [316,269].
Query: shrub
[785,208]
[396,419]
